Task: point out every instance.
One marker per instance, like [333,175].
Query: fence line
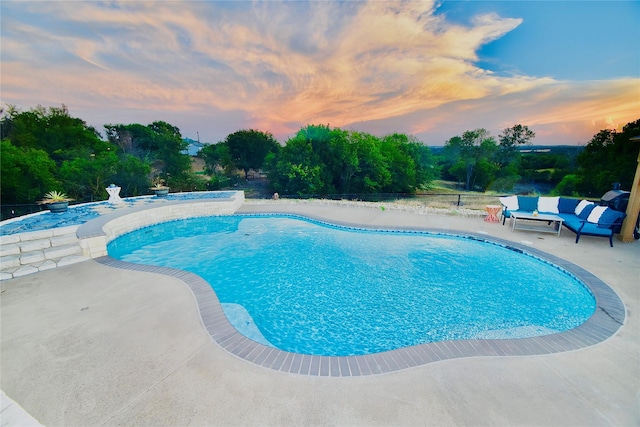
[8,211]
[443,199]
[12,211]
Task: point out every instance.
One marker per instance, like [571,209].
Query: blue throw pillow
[586,211]
[567,205]
[608,217]
[528,204]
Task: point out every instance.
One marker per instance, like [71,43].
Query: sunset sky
[566,69]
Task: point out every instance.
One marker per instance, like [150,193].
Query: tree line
[481,162]
[319,160]
[609,157]
[46,149]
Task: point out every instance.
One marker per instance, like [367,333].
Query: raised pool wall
[96,234]
[34,251]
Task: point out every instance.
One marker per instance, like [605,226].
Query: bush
[504,184]
[217,182]
[568,186]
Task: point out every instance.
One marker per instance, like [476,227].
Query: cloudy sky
[432,69]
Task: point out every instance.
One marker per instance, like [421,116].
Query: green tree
[132,175]
[26,174]
[296,169]
[169,153]
[321,160]
[248,148]
[134,139]
[568,186]
[159,145]
[410,162]
[510,139]
[609,157]
[341,162]
[373,174]
[47,139]
[467,152]
[547,168]
[52,130]
[332,151]
[217,157]
[87,177]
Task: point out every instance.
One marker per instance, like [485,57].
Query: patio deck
[89,344]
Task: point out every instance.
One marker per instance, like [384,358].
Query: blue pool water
[312,288]
[81,213]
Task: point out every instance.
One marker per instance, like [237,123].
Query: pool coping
[608,317]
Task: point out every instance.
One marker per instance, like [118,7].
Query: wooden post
[633,208]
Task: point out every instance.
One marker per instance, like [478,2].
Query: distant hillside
[567,150]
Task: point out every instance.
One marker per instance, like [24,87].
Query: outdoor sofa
[583,217]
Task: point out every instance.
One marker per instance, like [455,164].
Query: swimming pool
[312,288]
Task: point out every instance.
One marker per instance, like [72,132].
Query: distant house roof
[193,147]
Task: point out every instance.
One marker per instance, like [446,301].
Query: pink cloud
[376,66]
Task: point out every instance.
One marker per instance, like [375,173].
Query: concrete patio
[89,344]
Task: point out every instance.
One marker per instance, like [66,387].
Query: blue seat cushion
[527,203]
[571,221]
[593,229]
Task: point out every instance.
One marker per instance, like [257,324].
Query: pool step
[26,253]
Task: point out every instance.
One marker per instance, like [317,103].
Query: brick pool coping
[608,317]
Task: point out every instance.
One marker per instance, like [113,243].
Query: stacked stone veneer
[27,253]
